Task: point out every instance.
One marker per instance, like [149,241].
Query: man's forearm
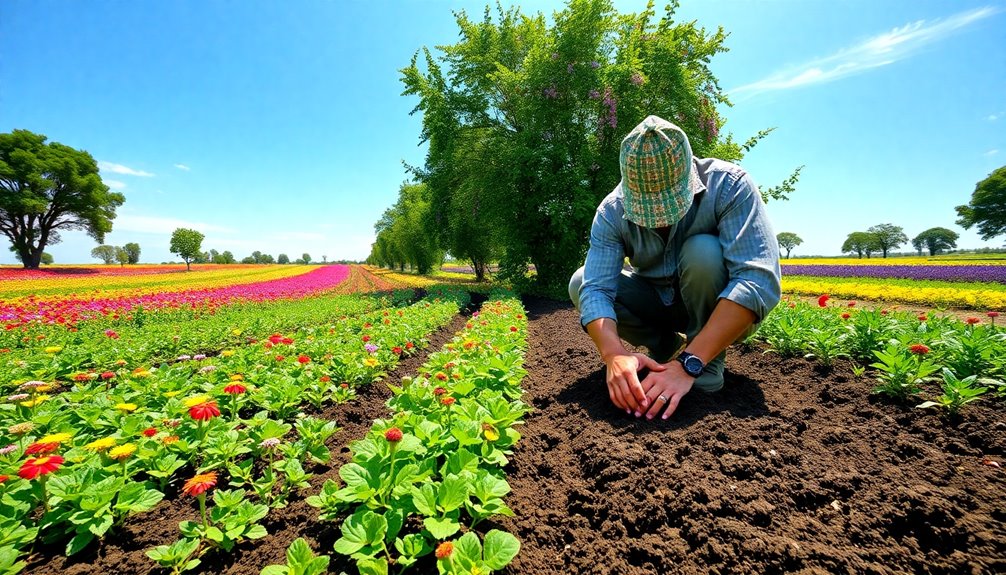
[604,332]
[728,322]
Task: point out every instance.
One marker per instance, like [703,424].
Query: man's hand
[665,388]
[624,387]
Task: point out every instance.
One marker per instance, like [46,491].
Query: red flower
[275,338]
[365,338]
[235,389]
[396,350]
[513,328]
[823,300]
[204,411]
[922,317]
[447,401]
[200,483]
[35,467]
[439,391]
[366,325]
[992,314]
[409,345]
[41,448]
[107,375]
[280,358]
[852,304]
[441,376]
[846,316]
[520,316]
[4,478]
[344,385]
[111,334]
[267,345]
[919,349]
[286,340]
[303,359]
[883,312]
[972,321]
[393,435]
[150,432]
[444,550]
[468,325]
[792,305]
[325,379]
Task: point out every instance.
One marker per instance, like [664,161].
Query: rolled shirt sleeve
[750,248]
[604,264]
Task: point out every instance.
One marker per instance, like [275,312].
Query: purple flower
[208,369]
[594,95]
[17,397]
[371,348]
[269,443]
[595,65]
[198,357]
[8,450]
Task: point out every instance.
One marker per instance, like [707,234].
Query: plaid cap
[658,181]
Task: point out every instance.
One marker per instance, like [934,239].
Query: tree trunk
[188,267]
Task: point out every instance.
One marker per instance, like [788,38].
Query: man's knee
[574,287]
[701,261]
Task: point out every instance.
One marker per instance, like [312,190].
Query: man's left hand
[665,389]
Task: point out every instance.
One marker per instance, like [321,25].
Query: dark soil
[790,468]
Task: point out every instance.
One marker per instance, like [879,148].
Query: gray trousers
[645,320]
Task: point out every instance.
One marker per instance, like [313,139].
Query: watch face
[693,366]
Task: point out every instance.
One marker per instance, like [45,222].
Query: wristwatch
[692,363]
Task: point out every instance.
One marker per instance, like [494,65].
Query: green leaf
[79,542]
[468,550]
[412,545]
[441,528]
[355,475]
[275,570]
[214,534]
[453,493]
[500,549]
[373,566]
[424,499]
[394,518]
[256,532]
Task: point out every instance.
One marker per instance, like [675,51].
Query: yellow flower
[55,438]
[33,402]
[53,349]
[127,407]
[236,332]
[237,377]
[122,451]
[490,432]
[170,394]
[227,352]
[44,388]
[192,401]
[100,444]
[141,374]
[370,362]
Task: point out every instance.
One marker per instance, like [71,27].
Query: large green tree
[987,208]
[888,237]
[187,244]
[405,232]
[861,243]
[788,241]
[936,240]
[104,253]
[524,118]
[48,188]
[133,249]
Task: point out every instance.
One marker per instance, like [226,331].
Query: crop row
[977,295]
[946,273]
[902,350]
[76,464]
[434,468]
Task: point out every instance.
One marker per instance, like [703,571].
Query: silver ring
[662,398]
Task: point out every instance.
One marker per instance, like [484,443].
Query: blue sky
[280,127]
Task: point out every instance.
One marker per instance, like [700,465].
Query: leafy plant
[956,392]
[901,372]
[300,560]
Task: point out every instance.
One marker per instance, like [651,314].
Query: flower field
[351,419]
[968,283]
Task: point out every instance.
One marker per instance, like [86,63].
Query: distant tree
[283,259]
[258,257]
[987,208]
[201,258]
[324,259]
[306,258]
[248,260]
[936,240]
[133,249]
[47,259]
[788,241]
[888,237]
[187,244]
[47,188]
[268,259]
[227,257]
[860,243]
[121,256]
[214,257]
[104,253]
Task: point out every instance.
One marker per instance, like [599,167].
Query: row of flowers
[80,300]
[434,468]
[977,295]
[944,272]
[902,350]
[112,444]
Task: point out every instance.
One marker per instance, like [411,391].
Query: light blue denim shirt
[728,206]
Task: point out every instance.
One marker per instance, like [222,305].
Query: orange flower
[39,466]
[444,550]
[200,483]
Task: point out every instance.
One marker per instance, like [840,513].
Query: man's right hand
[623,380]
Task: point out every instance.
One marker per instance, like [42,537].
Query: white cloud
[183,167]
[887,48]
[990,153]
[994,117]
[115,184]
[120,169]
[159,225]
